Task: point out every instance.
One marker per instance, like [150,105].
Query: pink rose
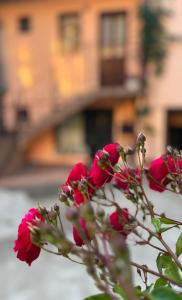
[80,241]
[109,155]
[118,220]
[26,250]
[125,176]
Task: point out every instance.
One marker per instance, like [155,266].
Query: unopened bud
[141,138]
[129,151]
[56,207]
[65,189]
[100,213]
[43,211]
[169,150]
[52,215]
[63,198]
[87,212]
[103,155]
[72,213]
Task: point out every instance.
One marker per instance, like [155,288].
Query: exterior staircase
[10,157]
[68,108]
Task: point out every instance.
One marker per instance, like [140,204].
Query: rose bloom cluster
[81,185]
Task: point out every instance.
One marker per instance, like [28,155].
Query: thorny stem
[159,237]
[149,206]
[173,255]
[50,251]
[149,243]
[146,269]
[61,224]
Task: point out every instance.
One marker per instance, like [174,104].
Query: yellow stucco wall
[38,73]
[40,76]
[42,150]
[124,113]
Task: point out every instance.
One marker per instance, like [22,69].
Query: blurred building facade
[70,75]
[164,95]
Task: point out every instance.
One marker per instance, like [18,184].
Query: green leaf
[172,272]
[168,228]
[167,266]
[99,297]
[165,293]
[164,220]
[157,224]
[118,290]
[179,246]
[160,282]
[162,262]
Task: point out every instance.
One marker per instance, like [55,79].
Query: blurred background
[74,76]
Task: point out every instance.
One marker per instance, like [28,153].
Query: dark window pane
[24,24]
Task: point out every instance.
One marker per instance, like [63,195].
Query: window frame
[61,19]
[112,47]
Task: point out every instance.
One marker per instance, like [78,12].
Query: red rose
[26,250]
[108,155]
[180,164]
[78,172]
[80,241]
[158,171]
[118,220]
[78,196]
[65,189]
[125,176]
[112,150]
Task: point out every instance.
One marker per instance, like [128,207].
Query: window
[70,136]
[69,30]
[112,48]
[22,115]
[24,24]
[112,30]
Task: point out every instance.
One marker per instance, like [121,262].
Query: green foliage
[165,293]
[160,282]
[153,36]
[118,290]
[158,224]
[179,246]
[98,297]
[167,266]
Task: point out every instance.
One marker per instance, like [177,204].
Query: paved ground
[50,277]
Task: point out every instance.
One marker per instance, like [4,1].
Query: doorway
[98,129]
[175,129]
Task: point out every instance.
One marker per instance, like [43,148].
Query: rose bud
[26,250]
[126,176]
[101,169]
[80,233]
[118,220]
[158,170]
